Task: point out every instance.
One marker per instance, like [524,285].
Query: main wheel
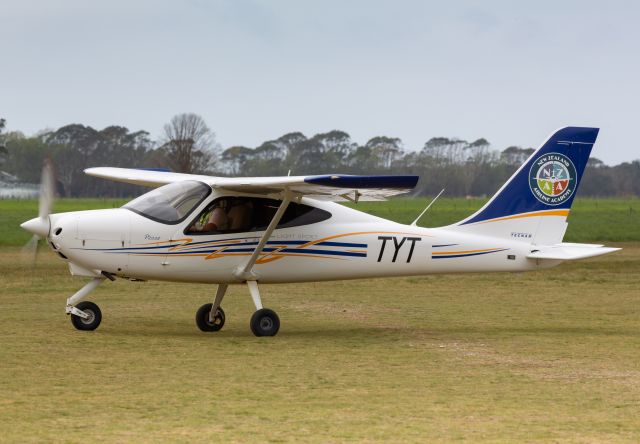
[92,321]
[202,318]
[265,322]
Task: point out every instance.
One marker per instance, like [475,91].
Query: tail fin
[534,203]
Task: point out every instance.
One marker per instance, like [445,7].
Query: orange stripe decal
[536,214]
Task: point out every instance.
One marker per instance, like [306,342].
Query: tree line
[464,168]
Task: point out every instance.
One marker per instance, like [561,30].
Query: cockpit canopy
[172,203]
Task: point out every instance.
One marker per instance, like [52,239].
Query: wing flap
[570,251]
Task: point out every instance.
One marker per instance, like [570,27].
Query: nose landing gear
[85,315]
[91,319]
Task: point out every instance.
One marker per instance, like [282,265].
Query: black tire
[202,318]
[265,322]
[91,323]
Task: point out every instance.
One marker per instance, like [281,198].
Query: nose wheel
[89,317]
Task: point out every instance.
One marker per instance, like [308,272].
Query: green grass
[591,220]
[547,356]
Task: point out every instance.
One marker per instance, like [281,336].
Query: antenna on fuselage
[414,223]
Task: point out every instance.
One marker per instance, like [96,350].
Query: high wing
[334,187]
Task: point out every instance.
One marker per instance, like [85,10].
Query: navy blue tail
[548,180]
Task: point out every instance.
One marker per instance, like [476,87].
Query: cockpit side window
[172,203]
[245,214]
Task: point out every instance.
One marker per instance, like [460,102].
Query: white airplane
[266,230]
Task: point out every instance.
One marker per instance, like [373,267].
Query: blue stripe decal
[295,250]
[218,245]
[445,245]
[342,244]
[250,250]
[125,249]
[466,254]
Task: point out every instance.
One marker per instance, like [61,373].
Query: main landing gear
[264,322]
[210,317]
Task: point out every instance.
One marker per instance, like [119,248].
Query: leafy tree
[594,162]
[77,147]
[323,152]
[24,156]
[464,168]
[478,162]
[234,159]
[515,155]
[385,150]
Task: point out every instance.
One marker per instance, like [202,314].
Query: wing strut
[245,272]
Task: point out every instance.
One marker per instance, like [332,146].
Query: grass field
[550,356]
[545,356]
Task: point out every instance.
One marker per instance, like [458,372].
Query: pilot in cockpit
[225,215]
[214,219]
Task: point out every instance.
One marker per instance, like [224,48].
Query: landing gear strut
[85,315]
[264,322]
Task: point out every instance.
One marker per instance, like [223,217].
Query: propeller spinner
[41,225]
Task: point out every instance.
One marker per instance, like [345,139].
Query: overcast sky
[511,72]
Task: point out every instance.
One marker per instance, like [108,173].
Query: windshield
[171,203]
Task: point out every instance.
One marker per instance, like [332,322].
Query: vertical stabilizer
[533,205]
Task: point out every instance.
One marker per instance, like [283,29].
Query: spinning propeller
[40,225]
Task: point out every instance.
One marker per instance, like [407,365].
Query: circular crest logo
[552,178]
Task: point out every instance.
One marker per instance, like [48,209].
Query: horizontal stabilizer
[570,251]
